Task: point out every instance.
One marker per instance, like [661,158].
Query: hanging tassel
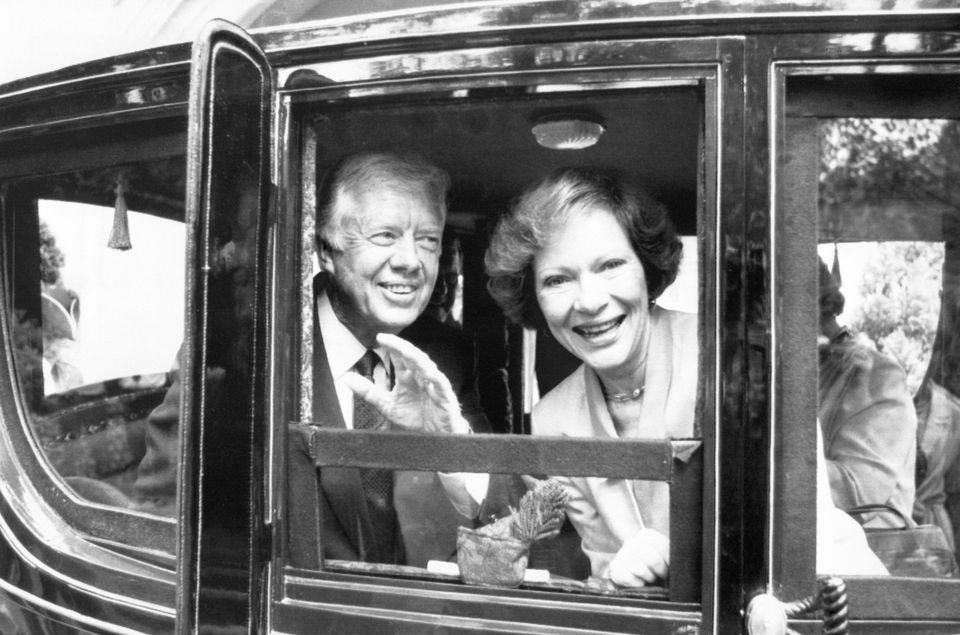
[835,271]
[120,233]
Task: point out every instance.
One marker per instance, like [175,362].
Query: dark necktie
[377,484]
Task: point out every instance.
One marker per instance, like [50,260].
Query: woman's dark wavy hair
[547,205]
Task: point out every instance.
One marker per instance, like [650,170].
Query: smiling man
[379,241]
[380,221]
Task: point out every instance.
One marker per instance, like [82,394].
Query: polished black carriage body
[709,99]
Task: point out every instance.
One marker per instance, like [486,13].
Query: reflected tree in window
[892,181]
[900,294]
[895,182]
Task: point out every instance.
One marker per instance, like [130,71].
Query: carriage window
[588,204]
[869,271]
[97,270]
[888,391]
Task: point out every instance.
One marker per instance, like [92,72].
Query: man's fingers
[400,346]
[440,390]
[409,356]
[367,390]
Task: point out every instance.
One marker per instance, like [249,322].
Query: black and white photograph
[490,316]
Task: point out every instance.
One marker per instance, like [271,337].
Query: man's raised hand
[421,398]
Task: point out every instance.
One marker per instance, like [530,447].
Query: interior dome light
[567,133]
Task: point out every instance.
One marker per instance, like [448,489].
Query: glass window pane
[887,392]
[98,273]
[111,342]
[509,377]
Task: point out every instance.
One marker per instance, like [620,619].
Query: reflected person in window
[866,414]
[584,254]
[380,220]
[60,308]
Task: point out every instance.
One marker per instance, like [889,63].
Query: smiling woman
[592,292]
[585,254]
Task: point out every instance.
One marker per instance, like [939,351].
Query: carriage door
[228,188]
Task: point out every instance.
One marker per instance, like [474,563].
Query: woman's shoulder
[568,391]
[554,409]
[681,323]
[678,336]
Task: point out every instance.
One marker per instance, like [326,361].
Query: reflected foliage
[90,385]
[901,302]
[891,182]
[875,159]
[28,355]
[51,258]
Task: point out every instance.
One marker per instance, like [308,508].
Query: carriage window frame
[794,288]
[305,588]
[116,536]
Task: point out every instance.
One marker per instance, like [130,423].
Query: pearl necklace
[624,397]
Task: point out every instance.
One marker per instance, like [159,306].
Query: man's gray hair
[369,171]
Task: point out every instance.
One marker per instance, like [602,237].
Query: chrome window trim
[68,614]
[95,119]
[499,61]
[630,611]
[504,20]
[119,74]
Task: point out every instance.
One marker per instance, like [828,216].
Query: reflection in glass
[887,203]
[124,295]
[60,316]
[98,328]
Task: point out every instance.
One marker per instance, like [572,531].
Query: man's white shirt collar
[343,352]
[343,349]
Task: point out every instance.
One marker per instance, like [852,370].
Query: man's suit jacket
[427,519]
[326,508]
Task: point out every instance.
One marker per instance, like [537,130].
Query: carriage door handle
[766,615]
